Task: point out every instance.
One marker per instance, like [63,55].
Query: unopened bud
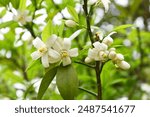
[112,55]
[70,23]
[119,57]
[108,40]
[88,60]
[123,65]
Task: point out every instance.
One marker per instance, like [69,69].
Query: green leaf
[4,2]
[48,30]
[2,13]
[123,27]
[47,79]
[15,3]
[67,82]
[32,64]
[73,13]
[22,5]
[6,24]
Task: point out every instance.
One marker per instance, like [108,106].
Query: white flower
[123,64]
[106,4]
[22,17]
[91,2]
[70,23]
[42,51]
[108,40]
[62,52]
[98,53]
[75,34]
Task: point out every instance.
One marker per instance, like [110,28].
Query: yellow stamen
[42,49]
[64,54]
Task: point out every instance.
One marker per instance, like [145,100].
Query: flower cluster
[22,17]
[54,50]
[101,52]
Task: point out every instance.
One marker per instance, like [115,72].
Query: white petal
[124,65]
[106,4]
[54,60]
[66,61]
[70,23]
[67,44]
[51,40]
[100,46]
[54,54]
[119,57]
[73,52]
[93,54]
[75,34]
[58,44]
[112,55]
[44,59]
[35,55]
[108,40]
[38,43]
[112,33]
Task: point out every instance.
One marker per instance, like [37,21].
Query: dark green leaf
[67,82]
[47,79]
[4,2]
[73,13]
[15,3]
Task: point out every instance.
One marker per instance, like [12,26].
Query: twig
[90,92]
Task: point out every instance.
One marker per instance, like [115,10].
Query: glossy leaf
[47,79]
[73,13]
[48,30]
[67,82]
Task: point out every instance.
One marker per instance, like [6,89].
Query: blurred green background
[134,43]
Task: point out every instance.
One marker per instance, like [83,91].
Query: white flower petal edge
[73,52]
[45,61]
[75,34]
[66,61]
[35,55]
[106,4]
[66,44]
[38,43]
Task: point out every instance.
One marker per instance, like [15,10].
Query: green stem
[90,92]
[90,66]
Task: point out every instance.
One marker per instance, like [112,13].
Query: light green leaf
[22,5]
[122,27]
[67,82]
[48,30]
[47,79]
[6,24]
[73,13]
[33,63]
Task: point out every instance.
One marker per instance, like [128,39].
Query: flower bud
[88,60]
[119,57]
[108,40]
[112,55]
[123,65]
[70,23]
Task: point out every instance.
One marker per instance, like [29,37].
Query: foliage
[23,78]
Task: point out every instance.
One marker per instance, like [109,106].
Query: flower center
[42,49]
[64,54]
